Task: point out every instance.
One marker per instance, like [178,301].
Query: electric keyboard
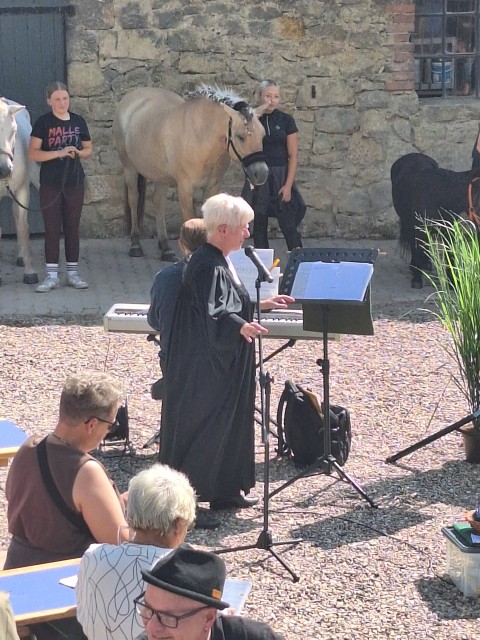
[128,318]
[281,324]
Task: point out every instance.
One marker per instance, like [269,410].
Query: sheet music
[247,272]
[340,281]
[70,581]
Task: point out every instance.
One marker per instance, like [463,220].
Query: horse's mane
[225,96]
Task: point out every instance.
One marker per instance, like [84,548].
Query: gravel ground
[364,572]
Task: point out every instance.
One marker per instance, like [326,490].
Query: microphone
[263,273]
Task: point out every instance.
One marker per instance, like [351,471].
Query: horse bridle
[256,156]
[472,214]
[12,195]
[9,154]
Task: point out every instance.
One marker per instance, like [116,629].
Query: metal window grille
[446,52]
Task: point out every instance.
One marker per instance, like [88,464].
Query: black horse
[421,189]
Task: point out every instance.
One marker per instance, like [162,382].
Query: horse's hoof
[136,252]
[417,285]
[30,278]
[168,256]
[20,262]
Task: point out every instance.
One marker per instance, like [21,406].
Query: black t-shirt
[278,125]
[57,134]
[237,628]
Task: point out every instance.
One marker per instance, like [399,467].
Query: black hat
[198,575]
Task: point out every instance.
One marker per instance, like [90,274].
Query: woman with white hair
[279,197]
[160,511]
[207,415]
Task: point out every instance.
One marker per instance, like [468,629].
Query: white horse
[16,172]
[167,140]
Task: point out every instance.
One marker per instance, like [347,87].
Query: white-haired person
[8,629]
[160,510]
[183,597]
[208,411]
[279,197]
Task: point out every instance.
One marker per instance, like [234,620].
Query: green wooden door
[32,55]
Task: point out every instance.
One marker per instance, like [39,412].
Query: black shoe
[205,521]
[237,502]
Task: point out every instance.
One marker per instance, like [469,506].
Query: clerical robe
[208,413]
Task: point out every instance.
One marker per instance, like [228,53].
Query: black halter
[256,156]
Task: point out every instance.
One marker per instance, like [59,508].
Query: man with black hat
[183,596]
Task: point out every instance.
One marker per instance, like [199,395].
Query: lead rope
[64,180]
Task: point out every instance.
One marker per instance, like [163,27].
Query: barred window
[445,48]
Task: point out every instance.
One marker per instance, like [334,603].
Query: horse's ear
[231,112]
[260,110]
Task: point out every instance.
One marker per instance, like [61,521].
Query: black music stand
[339,302]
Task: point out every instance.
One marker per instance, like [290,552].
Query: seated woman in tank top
[60,498]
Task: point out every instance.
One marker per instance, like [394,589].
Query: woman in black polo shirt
[279,196]
[59,140]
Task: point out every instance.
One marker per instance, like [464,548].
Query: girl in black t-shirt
[279,196]
[59,140]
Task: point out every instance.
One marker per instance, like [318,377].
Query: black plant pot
[471,439]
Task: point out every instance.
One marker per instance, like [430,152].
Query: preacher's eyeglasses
[166,619]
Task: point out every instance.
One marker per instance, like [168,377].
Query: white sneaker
[75,281]
[47,285]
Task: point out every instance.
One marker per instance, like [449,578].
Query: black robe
[208,411]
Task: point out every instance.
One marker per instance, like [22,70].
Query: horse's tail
[141,187]
[127,210]
[404,175]
[407,232]
[403,205]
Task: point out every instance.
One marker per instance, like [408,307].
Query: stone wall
[346,72]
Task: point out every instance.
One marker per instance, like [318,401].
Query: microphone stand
[265,539]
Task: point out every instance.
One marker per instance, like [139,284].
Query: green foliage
[454,251]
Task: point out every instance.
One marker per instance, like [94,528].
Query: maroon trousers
[61,207]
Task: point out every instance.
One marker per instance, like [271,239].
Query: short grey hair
[89,393]
[158,497]
[226,209]
[261,86]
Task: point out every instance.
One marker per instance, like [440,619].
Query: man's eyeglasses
[166,619]
[112,426]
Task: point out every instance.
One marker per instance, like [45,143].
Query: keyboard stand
[286,345]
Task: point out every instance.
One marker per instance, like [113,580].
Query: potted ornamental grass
[453,248]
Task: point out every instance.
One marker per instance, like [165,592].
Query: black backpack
[301,428]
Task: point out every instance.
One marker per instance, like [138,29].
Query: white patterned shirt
[109,578]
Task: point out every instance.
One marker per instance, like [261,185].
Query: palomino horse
[421,190]
[162,138]
[15,174]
